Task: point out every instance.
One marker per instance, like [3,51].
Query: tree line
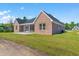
[69,26]
[6,27]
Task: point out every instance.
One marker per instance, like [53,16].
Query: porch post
[29,27]
[18,28]
[24,28]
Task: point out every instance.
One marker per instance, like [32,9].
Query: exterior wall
[16,25]
[57,28]
[43,19]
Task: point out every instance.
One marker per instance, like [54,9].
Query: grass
[66,44]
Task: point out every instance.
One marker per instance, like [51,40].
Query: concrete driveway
[8,48]
[23,33]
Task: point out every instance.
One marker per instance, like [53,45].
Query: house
[44,23]
[76,27]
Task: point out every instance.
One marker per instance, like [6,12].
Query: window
[42,26]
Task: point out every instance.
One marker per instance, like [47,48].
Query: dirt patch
[9,48]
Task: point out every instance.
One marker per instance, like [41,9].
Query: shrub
[1,29]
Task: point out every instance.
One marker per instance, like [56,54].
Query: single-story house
[44,23]
[75,27]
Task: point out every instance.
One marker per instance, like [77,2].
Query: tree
[24,18]
[11,24]
[67,27]
[72,24]
[77,24]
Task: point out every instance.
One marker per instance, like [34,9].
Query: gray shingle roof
[20,21]
[53,18]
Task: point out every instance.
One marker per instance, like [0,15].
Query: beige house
[44,23]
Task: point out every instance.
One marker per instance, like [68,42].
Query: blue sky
[65,12]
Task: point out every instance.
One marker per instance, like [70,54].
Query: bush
[1,29]
[7,30]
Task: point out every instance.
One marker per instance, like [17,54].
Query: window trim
[42,26]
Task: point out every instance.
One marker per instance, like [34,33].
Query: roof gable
[15,22]
[40,14]
[52,18]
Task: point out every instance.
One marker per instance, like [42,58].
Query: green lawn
[58,44]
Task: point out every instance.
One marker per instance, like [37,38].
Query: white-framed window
[42,26]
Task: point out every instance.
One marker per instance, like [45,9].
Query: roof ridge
[52,17]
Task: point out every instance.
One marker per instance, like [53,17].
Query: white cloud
[7,19]
[9,10]
[22,8]
[4,12]
[30,17]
